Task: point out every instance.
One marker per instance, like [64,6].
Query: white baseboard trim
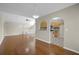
[1,39]
[71,50]
[63,47]
[13,34]
[42,40]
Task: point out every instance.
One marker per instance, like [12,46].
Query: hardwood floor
[17,45]
[24,45]
[48,49]
[43,48]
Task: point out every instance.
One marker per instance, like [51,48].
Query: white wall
[13,24]
[1,28]
[17,29]
[16,25]
[71,20]
[31,30]
[40,34]
[71,26]
[13,29]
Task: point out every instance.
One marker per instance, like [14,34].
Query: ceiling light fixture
[35,16]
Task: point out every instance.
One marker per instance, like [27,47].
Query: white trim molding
[42,40]
[1,39]
[71,50]
[63,47]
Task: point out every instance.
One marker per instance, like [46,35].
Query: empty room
[39,29]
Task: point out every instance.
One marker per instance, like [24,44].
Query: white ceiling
[30,9]
[18,12]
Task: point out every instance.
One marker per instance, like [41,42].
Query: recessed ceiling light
[35,16]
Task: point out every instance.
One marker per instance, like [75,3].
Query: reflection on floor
[24,45]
